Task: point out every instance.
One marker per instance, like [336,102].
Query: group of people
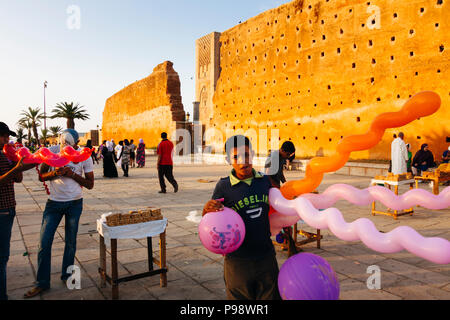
[65,201]
[402,160]
[125,154]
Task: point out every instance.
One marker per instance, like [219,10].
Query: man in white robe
[399,155]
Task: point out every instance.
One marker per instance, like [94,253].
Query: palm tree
[26,124]
[70,112]
[55,131]
[34,116]
[20,135]
[44,135]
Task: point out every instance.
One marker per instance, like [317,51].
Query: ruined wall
[322,70]
[145,108]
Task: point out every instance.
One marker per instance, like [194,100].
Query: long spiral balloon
[416,197]
[436,250]
[420,105]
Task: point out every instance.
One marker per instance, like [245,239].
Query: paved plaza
[195,273]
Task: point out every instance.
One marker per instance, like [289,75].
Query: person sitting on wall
[446,156]
[423,160]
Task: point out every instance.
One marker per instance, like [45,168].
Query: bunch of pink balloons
[222,232]
[44,155]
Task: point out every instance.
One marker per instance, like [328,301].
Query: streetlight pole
[45,114]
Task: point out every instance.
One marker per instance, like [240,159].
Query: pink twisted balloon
[416,197]
[436,250]
[44,155]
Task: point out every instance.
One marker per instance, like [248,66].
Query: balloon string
[40,177]
[421,105]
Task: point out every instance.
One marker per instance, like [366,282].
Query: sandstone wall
[322,70]
[145,108]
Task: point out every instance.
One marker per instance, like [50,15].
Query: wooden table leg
[411,186]
[102,262]
[295,233]
[162,258]
[150,253]
[396,211]
[114,271]
[318,238]
[436,186]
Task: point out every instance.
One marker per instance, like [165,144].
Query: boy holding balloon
[250,272]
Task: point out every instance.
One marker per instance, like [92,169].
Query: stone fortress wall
[145,108]
[319,70]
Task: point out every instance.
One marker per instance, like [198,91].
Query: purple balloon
[306,276]
[222,232]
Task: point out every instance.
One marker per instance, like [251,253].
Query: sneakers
[162,191]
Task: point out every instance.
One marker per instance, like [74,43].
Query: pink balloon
[222,232]
[434,249]
[279,221]
[416,197]
[76,156]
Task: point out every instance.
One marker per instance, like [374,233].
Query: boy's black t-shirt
[252,204]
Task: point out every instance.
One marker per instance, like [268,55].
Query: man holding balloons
[66,200]
[251,271]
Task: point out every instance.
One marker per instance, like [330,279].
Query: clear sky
[118,42]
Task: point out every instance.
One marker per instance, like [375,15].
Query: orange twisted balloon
[420,105]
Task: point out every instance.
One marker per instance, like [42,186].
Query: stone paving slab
[194,272]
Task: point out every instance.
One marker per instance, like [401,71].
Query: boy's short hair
[288,147]
[164,135]
[236,142]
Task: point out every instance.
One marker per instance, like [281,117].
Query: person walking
[165,163]
[109,161]
[93,154]
[132,154]
[65,200]
[140,154]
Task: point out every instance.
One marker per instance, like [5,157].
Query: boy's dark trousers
[252,279]
[166,171]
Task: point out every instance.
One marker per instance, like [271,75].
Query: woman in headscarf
[423,160]
[109,159]
[140,154]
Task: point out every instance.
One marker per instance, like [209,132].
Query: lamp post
[45,114]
